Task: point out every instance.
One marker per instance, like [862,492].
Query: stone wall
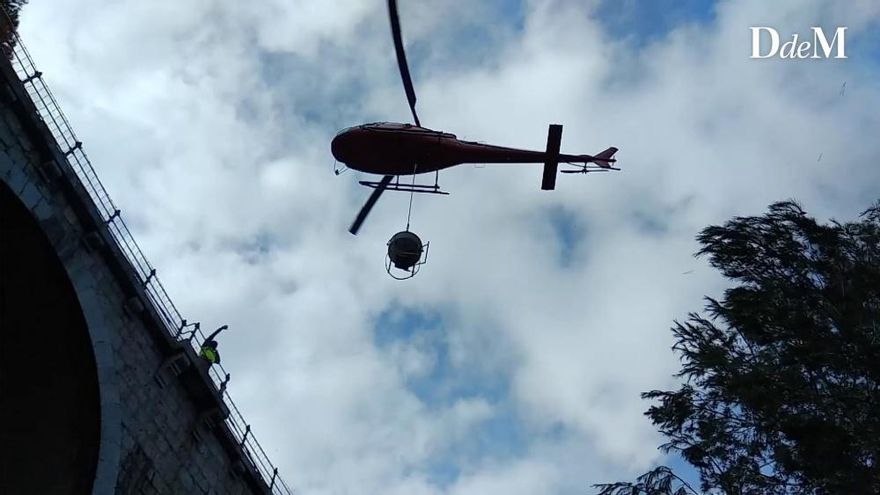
[161,416]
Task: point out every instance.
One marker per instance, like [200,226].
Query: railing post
[183,325]
[73,148]
[247,431]
[150,277]
[274,475]
[180,330]
[115,214]
[223,384]
[35,75]
[193,333]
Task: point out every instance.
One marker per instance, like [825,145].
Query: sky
[514,361]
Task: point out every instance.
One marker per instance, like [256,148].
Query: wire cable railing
[53,117]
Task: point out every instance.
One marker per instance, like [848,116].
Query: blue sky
[500,436]
[645,22]
[514,361]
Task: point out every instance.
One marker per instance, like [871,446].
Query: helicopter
[392,150]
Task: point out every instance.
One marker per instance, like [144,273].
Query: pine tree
[781,379]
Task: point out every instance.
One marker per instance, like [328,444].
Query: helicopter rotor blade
[371,201]
[401,59]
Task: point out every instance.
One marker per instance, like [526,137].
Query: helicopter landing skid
[416,188]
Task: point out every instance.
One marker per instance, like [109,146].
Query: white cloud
[517,479]
[210,124]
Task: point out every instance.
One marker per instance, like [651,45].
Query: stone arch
[60,402]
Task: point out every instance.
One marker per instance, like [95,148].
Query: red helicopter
[393,149]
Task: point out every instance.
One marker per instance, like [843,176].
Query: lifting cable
[412,193]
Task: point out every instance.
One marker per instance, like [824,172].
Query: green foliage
[9,24]
[781,382]
[659,481]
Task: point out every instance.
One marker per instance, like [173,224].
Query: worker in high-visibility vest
[209,350]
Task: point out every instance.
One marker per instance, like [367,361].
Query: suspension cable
[412,193]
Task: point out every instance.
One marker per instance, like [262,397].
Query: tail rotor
[601,162]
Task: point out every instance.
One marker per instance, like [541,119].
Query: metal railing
[52,116]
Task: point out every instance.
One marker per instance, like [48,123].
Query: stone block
[6,164]
[43,211]
[16,179]
[30,195]
[134,306]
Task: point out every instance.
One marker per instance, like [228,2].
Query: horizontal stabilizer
[605,158]
[551,163]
